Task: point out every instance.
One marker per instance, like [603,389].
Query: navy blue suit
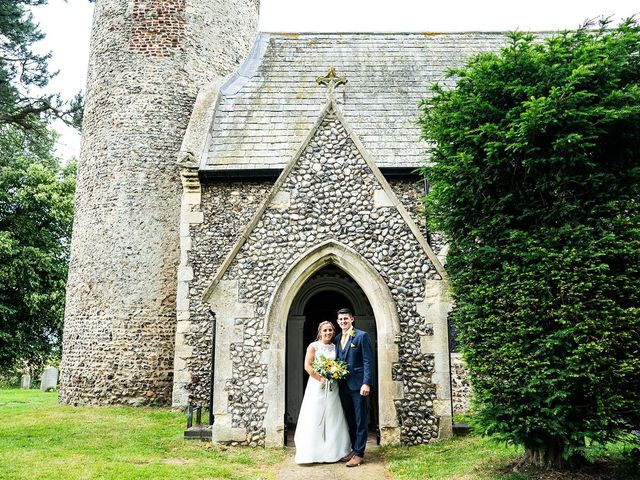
[359,356]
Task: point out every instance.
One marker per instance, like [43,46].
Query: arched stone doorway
[318,300]
[376,293]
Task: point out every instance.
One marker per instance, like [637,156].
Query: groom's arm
[367,365]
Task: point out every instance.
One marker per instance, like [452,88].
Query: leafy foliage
[21,70]
[36,197]
[535,178]
[36,213]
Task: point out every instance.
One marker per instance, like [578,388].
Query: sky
[67,26]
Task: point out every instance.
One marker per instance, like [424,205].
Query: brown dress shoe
[347,457]
[355,461]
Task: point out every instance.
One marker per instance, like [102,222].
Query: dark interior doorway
[323,306]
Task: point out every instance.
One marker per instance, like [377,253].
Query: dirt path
[374,468]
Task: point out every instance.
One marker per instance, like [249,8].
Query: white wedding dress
[322,434]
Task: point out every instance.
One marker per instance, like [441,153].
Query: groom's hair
[345,311]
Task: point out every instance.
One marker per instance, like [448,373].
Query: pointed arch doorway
[387,323]
[318,300]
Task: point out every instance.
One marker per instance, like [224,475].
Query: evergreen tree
[21,69]
[535,179]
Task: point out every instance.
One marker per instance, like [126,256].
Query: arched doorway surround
[387,325]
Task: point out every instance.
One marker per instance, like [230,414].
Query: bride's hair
[322,324]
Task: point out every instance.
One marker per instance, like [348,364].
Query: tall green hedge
[535,180]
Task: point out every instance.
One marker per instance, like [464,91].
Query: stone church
[228,202]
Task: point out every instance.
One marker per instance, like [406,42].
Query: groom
[354,347]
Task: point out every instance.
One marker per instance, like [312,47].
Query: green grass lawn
[40,439]
[460,458]
[473,457]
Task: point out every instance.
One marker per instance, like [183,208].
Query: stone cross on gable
[331,80]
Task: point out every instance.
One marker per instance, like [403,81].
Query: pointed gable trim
[394,199]
[272,193]
[330,107]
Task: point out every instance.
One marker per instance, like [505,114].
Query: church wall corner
[223,209]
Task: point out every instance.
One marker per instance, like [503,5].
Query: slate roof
[268,107]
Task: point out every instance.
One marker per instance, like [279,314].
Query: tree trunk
[547,456]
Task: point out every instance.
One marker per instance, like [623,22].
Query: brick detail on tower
[157,27]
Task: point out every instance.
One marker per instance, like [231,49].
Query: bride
[322,434]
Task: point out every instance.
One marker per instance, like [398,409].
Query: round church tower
[148,60]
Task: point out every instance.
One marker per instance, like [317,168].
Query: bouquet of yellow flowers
[332,370]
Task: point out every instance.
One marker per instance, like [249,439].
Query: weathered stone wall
[410,192]
[120,316]
[330,194]
[460,388]
[227,207]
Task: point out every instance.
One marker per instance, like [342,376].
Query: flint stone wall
[331,194]
[460,387]
[227,208]
[410,192]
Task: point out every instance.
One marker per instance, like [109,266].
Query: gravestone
[49,379]
[25,383]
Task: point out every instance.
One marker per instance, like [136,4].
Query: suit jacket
[359,356]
